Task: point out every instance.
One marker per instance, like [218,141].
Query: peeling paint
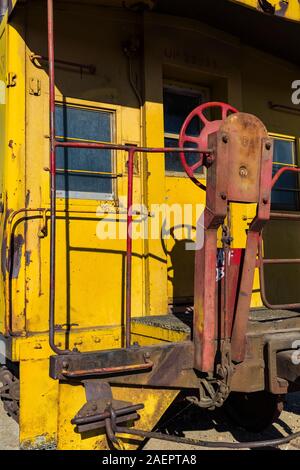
[42,442]
[27,198]
[11,145]
[27,257]
[3,245]
[17,244]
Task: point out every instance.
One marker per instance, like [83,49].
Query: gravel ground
[9,431]
[215,426]
[193,423]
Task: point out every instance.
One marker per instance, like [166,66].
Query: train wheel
[254,411]
[10,392]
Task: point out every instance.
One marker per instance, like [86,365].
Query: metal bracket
[35,86]
[169,365]
[11,79]
[275,344]
[101,407]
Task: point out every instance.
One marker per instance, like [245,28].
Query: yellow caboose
[101,259]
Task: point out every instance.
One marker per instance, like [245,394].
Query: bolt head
[243,172]
[268,145]
[225,139]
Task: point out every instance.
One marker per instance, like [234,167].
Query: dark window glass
[83,173]
[177,106]
[285,191]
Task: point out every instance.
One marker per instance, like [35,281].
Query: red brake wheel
[201,140]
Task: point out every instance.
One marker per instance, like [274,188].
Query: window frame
[187,90]
[83,197]
[296,141]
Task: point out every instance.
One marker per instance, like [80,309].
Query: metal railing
[54,144]
[272,261]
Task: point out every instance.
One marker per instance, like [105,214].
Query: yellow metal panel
[289,10]
[72,398]
[90,272]
[38,405]
[37,346]
[3,141]
[14,169]
[147,334]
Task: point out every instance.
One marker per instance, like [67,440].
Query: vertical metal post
[52,180]
[131,153]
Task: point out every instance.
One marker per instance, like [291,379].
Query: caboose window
[285,194]
[83,173]
[178,103]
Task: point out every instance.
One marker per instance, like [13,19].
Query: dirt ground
[193,423]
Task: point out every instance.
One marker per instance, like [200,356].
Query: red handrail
[88,145]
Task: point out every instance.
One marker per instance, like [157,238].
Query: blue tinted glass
[84,159]
[284,194]
[84,183]
[176,108]
[283,151]
[76,123]
[172,160]
[84,124]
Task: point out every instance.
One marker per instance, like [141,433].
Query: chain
[214,391]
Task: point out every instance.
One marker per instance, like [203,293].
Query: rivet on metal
[243,171]
[268,145]
[225,139]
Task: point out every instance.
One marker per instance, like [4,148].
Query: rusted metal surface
[260,145]
[173,362]
[107,370]
[232,272]
[102,416]
[240,172]
[102,411]
[100,406]
[244,298]
[172,365]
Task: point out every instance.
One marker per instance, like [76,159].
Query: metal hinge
[11,79]
[34,86]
